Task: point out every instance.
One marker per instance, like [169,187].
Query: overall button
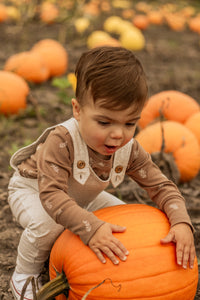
[81,164]
[118,169]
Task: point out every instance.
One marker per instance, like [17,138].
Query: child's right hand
[103,241]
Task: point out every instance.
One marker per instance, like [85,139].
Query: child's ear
[76,109]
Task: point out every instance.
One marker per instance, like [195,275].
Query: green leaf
[61,82]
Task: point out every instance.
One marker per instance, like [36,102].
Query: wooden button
[81,164]
[118,169]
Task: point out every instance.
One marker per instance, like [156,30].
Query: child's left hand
[182,235]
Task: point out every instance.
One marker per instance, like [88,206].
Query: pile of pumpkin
[170,122]
[129,36]
[176,16]
[46,59]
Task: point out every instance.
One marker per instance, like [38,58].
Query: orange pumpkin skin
[155,17]
[29,65]
[141,21]
[54,56]
[174,105]
[150,271]
[3,13]
[194,24]
[48,12]
[193,123]
[109,42]
[179,141]
[13,93]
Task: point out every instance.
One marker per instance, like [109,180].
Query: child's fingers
[168,238]
[192,256]
[117,228]
[110,254]
[119,250]
[99,254]
[185,256]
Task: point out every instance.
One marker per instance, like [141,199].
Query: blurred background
[40,43]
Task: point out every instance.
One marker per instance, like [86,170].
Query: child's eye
[130,124]
[103,123]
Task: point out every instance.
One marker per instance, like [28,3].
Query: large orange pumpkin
[29,65]
[178,140]
[150,272]
[13,93]
[53,54]
[173,105]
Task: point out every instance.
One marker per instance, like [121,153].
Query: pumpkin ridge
[146,297]
[138,278]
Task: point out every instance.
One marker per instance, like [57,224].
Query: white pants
[40,230]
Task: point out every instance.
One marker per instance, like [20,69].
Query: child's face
[105,130]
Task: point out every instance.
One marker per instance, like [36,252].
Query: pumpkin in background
[3,13]
[150,272]
[91,9]
[141,21]
[175,21]
[48,12]
[132,39]
[13,13]
[143,6]
[54,56]
[188,11]
[112,24]
[112,42]
[125,26]
[105,6]
[81,24]
[128,13]
[178,140]
[193,123]
[155,17]
[13,93]
[29,65]
[194,24]
[97,37]
[172,105]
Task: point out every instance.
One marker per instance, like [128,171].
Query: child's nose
[117,133]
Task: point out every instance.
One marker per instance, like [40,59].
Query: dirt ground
[171,61]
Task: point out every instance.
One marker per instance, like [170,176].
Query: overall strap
[81,170]
[120,163]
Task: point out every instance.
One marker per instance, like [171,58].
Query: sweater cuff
[88,234]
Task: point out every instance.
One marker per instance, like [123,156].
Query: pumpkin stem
[59,285]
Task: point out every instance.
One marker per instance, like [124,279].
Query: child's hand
[181,234]
[103,241]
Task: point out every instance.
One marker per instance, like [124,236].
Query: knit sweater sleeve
[54,166]
[161,190]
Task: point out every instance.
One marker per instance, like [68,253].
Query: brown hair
[113,75]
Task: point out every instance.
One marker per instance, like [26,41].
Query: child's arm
[168,198]
[104,242]
[182,235]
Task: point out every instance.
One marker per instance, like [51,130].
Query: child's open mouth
[110,149]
